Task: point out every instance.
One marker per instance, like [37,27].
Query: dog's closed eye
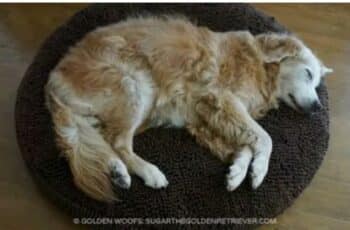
[309,74]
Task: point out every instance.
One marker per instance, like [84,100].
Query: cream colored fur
[146,72]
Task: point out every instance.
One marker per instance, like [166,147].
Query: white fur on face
[300,77]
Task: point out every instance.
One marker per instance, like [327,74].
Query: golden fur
[145,72]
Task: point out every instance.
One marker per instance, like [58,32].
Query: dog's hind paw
[153,177]
[119,174]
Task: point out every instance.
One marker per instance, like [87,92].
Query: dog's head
[300,70]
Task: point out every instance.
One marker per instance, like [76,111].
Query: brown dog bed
[197,179]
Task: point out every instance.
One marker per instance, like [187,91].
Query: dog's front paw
[260,163]
[239,169]
[153,177]
[259,170]
[235,176]
[119,174]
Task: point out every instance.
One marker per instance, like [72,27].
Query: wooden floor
[325,204]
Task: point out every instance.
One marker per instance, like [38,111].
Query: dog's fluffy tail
[86,150]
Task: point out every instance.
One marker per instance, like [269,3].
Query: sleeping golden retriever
[124,78]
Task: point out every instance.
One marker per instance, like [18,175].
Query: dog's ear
[325,71]
[276,47]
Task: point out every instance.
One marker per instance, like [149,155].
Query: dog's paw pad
[119,174]
[235,176]
[153,177]
[259,170]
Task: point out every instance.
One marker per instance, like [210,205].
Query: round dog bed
[197,186]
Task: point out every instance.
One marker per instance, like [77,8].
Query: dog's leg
[150,173]
[239,168]
[119,132]
[239,158]
[262,151]
[228,118]
[124,113]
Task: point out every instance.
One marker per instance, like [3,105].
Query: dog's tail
[86,150]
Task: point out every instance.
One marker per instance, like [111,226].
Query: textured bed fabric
[197,179]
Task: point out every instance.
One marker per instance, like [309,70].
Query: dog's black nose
[315,106]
